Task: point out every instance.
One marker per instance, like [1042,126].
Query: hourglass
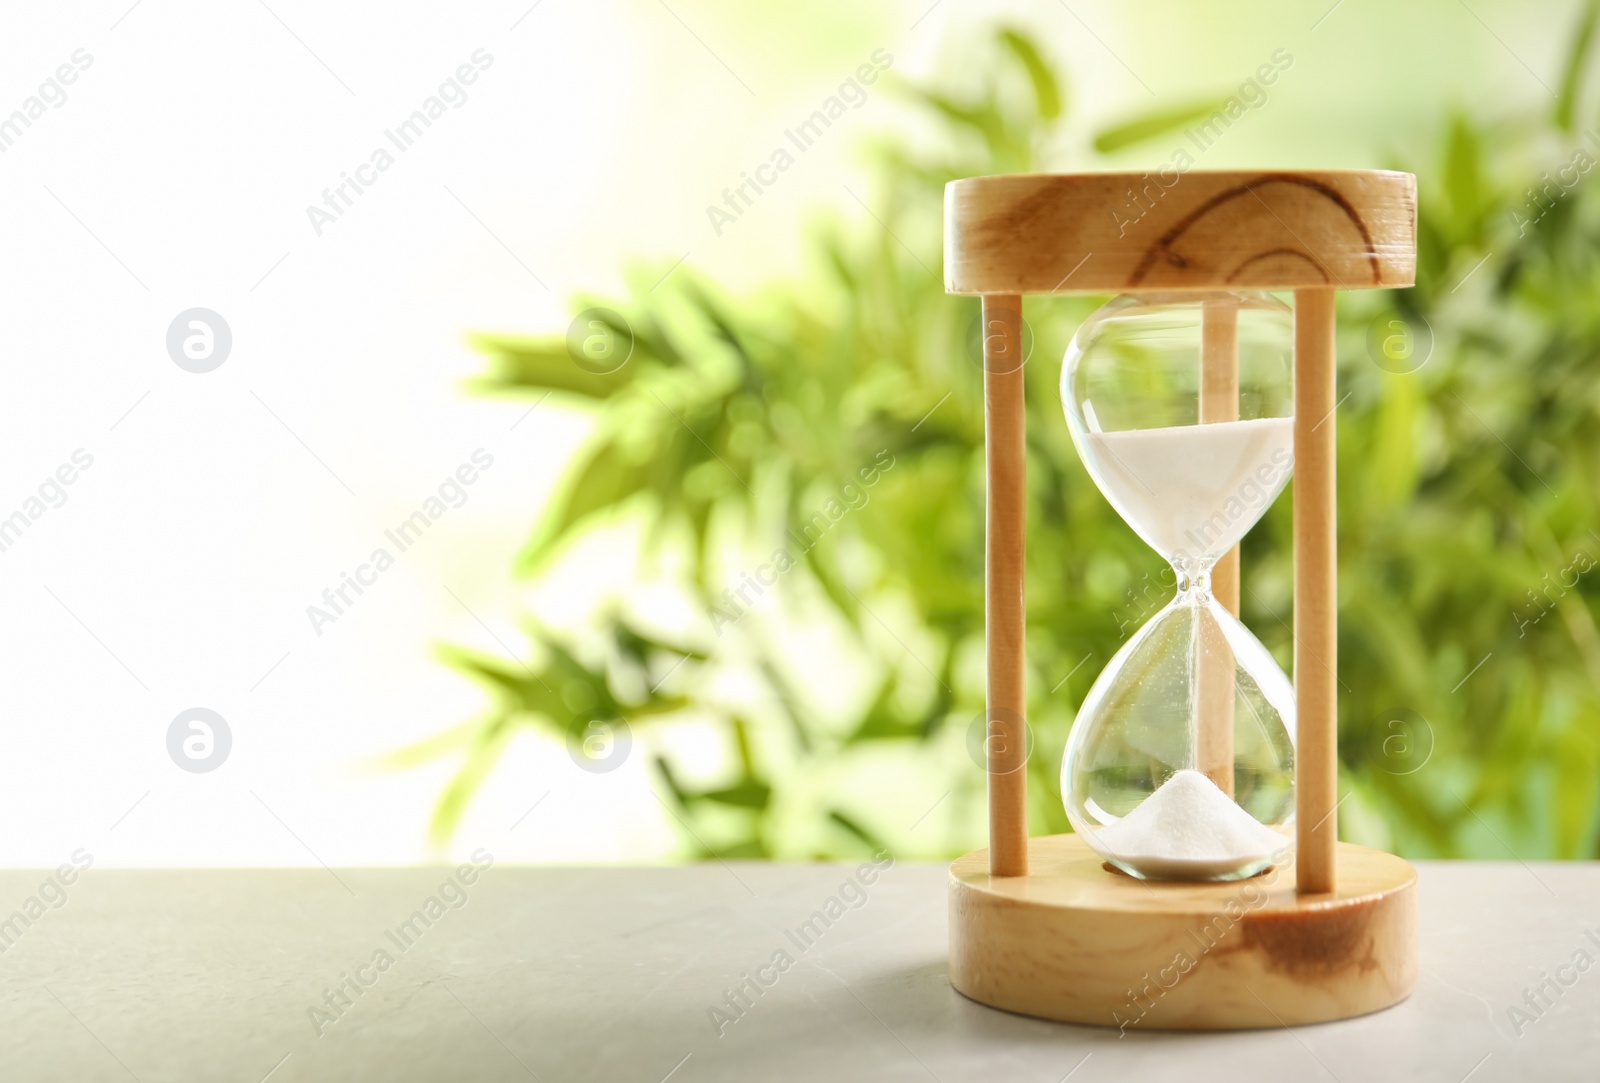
[1203,886]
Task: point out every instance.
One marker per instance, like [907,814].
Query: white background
[219,506]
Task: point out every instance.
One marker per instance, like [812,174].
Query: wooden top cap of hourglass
[1113,232]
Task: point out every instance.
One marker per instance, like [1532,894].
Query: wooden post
[1315,592]
[1005,531]
[1219,401]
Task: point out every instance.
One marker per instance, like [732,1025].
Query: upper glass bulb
[1190,458]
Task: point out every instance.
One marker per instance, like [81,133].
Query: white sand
[1194,489]
[1188,830]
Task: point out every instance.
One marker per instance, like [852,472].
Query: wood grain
[1075,942]
[1005,533]
[1316,638]
[1214,666]
[1108,232]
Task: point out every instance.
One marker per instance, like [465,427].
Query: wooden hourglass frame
[1040,926]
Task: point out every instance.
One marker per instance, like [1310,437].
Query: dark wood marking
[1020,215]
[1310,950]
[1321,270]
[1163,245]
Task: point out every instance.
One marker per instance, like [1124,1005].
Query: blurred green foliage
[1469,657]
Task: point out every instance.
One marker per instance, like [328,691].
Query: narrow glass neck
[1193,578]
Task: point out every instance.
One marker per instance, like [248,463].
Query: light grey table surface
[611,974]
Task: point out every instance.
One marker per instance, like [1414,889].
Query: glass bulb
[1180,763]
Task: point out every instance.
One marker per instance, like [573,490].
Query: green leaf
[679,796]
[543,363]
[1463,175]
[750,794]
[1565,114]
[527,689]
[881,722]
[601,482]
[480,761]
[751,849]
[659,705]
[854,826]
[1046,91]
[986,120]
[637,645]
[1147,126]
[429,748]
[788,704]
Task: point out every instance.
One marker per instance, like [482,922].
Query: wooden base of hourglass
[1077,942]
